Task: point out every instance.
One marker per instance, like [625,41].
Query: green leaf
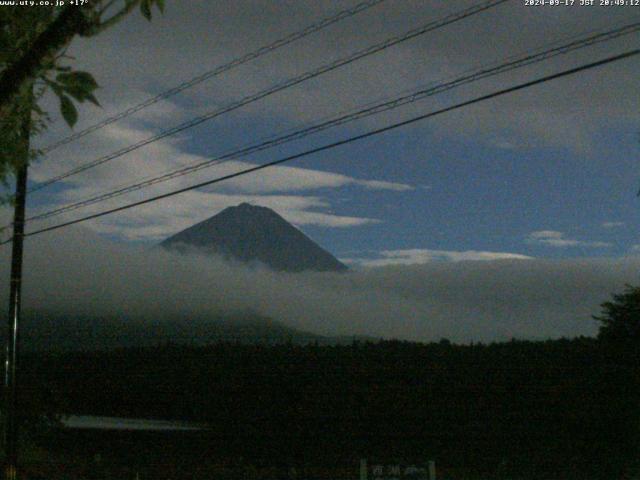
[81,96]
[78,85]
[82,80]
[57,89]
[160,4]
[93,99]
[68,110]
[145,8]
[78,94]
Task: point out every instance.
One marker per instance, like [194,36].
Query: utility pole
[10,426]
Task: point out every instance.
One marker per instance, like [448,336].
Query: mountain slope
[49,331]
[256,234]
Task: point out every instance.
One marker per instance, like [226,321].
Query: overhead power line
[433,25]
[282,42]
[330,146]
[479,74]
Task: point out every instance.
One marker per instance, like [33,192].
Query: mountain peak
[251,233]
[247,207]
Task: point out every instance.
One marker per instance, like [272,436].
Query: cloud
[283,179]
[157,220]
[381,185]
[137,56]
[612,224]
[283,188]
[75,272]
[167,154]
[419,256]
[552,238]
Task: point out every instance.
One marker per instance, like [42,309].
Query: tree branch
[57,35]
[130,5]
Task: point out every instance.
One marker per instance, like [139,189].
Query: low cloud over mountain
[75,271]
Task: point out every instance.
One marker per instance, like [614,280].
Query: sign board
[396,471]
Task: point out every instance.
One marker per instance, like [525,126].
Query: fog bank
[74,271]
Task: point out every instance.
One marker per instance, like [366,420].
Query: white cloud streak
[418,256]
[553,238]
[613,224]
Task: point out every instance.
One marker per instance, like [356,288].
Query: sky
[545,178]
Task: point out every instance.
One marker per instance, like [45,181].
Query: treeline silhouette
[519,409]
